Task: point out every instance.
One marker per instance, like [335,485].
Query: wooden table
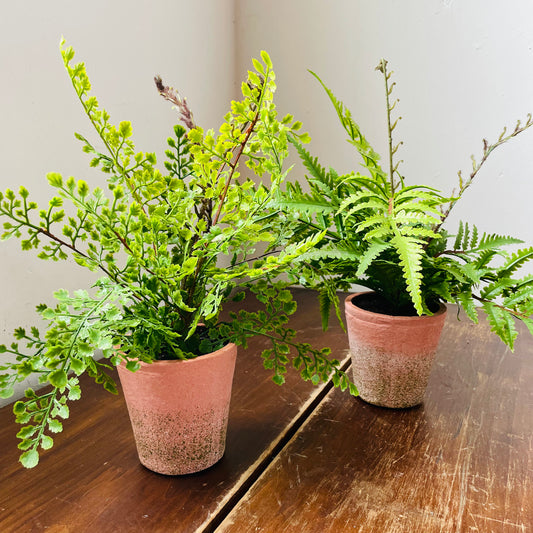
[304,459]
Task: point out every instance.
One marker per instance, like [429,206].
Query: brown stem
[517,314]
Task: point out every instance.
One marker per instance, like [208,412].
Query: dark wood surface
[91,480]
[304,459]
[461,462]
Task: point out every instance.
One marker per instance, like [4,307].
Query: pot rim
[230,346]
[373,316]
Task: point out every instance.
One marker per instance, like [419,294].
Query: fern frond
[465,300]
[410,252]
[494,241]
[370,157]
[302,205]
[473,240]
[414,218]
[466,237]
[373,251]
[326,253]
[373,204]
[496,288]
[459,236]
[380,220]
[516,260]
[518,297]
[311,163]
[417,207]
[485,258]
[502,323]
[418,231]
[325,306]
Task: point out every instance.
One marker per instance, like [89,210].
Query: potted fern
[172,246]
[390,236]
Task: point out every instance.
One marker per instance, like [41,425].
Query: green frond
[488,242]
[414,218]
[496,288]
[375,204]
[309,207]
[363,196]
[410,253]
[465,300]
[516,260]
[370,157]
[417,207]
[466,237]
[325,253]
[376,220]
[502,323]
[459,236]
[311,163]
[373,251]
[519,296]
[418,232]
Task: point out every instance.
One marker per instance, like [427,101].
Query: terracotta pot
[392,355]
[179,410]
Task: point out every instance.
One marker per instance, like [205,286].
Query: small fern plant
[173,247]
[388,235]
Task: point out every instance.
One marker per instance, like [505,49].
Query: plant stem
[382,67]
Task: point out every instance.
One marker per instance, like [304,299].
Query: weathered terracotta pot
[392,355]
[179,410]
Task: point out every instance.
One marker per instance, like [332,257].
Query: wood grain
[91,481]
[461,462]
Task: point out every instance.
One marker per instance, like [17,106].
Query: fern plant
[172,246]
[390,236]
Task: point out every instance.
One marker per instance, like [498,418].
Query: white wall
[464,69]
[123,43]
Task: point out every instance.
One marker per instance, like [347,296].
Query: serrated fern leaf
[516,260]
[466,237]
[465,300]
[311,163]
[520,296]
[496,288]
[459,236]
[495,241]
[373,251]
[325,253]
[370,157]
[325,301]
[410,252]
[307,206]
[502,323]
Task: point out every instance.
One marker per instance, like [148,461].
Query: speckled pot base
[179,410]
[392,355]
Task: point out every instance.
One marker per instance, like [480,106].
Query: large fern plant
[173,246]
[388,235]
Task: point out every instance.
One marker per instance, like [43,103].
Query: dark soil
[375,303]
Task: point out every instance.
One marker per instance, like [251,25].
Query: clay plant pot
[391,356]
[179,410]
